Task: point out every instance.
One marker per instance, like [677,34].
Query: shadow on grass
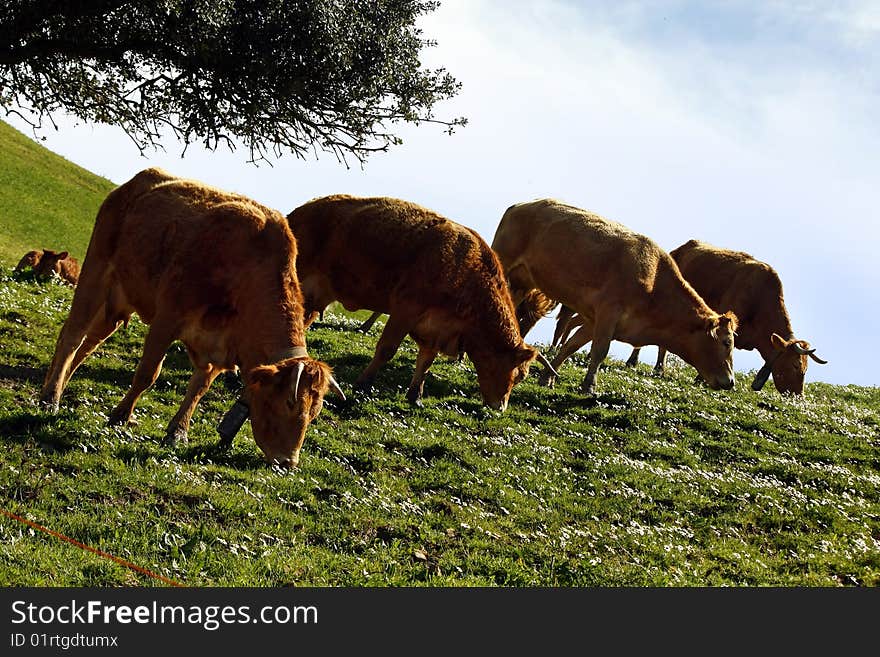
[22,373]
[560,400]
[200,453]
[27,427]
[219,454]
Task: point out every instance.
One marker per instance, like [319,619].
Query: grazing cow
[214,270]
[437,280]
[623,286]
[47,263]
[752,290]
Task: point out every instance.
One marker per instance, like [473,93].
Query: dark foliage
[276,76]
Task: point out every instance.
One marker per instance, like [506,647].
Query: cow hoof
[547,379]
[49,406]
[363,386]
[176,438]
[120,417]
[415,401]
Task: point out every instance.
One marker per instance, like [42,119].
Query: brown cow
[621,283]
[214,270]
[29,259]
[752,289]
[437,280]
[47,263]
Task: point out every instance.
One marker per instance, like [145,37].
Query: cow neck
[269,322]
[267,354]
[780,324]
[267,343]
[289,352]
[677,310]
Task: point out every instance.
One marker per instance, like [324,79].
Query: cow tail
[532,308]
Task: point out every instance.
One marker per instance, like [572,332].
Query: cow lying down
[214,270]
[47,263]
[437,280]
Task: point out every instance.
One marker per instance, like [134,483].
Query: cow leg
[69,341]
[82,320]
[199,382]
[583,335]
[100,329]
[573,323]
[562,320]
[368,324]
[603,333]
[389,342]
[423,363]
[159,338]
[660,365]
[633,359]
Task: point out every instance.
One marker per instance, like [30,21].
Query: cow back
[735,280]
[384,253]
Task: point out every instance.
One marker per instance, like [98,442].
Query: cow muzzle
[498,405]
[284,462]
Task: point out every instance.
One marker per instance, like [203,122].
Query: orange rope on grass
[121,562]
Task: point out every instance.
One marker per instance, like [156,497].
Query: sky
[751,125]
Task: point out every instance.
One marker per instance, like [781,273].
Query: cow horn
[300,366]
[335,388]
[809,352]
[541,358]
[761,377]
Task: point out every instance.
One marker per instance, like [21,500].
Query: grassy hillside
[45,200]
[658,482]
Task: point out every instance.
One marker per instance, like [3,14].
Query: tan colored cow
[214,270]
[437,280]
[752,289]
[47,263]
[621,283]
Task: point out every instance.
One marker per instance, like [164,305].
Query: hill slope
[45,200]
[657,483]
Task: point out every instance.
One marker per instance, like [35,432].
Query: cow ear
[63,255]
[262,375]
[778,342]
[729,321]
[526,354]
[726,322]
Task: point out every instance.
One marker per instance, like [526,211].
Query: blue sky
[750,125]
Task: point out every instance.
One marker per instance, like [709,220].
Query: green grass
[658,483]
[45,200]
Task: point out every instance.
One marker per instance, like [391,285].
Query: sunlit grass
[658,482]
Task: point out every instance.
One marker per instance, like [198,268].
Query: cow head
[788,365]
[29,259]
[499,371]
[712,351]
[283,399]
[49,263]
